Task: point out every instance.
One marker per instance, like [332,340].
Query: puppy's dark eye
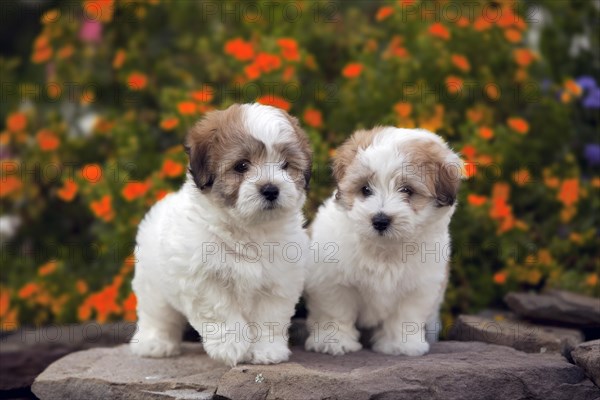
[366,191]
[242,166]
[406,189]
[285,165]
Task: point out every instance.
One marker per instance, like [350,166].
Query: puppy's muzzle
[381,222]
[270,192]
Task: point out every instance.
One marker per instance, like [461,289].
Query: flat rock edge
[239,383]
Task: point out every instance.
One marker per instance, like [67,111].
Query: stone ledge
[452,370]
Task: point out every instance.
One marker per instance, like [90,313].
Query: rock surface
[587,356]
[452,370]
[556,306]
[25,353]
[519,335]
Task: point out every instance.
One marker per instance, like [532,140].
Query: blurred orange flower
[313,117]
[119,59]
[439,30]
[137,81]
[475,115]
[134,190]
[4,301]
[275,101]
[81,286]
[68,191]
[267,62]
[518,125]
[9,184]
[101,10]
[523,57]
[289,49]
[572,87]
[568,193]
[522,177]
[239,49]
[462,22]
[84,312]
[28,290]
[481,24]
[16,122]
[492,91]
[50,16]
[160,194]
[129,307]
[252,71]
[513,35]
[288,73]
[204,95]
[501,190]
[384,12]
[42,51]
[461,62]
[47,140]
[396,48]
[476,200]
[454,84]
[91,173]
[500,278]
[47,268]
[169,124]
[172,169]
[352,70]
[103,208]
[403,109]
[186,107]
[486,133]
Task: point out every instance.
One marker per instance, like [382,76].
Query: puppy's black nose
[270,191]
[381,222]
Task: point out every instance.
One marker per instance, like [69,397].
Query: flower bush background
[97,97]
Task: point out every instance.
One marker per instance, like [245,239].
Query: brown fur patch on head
[436,167]
[216,143]
[348,184]
[298,154]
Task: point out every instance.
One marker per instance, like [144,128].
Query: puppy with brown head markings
[387,224]
[227,251]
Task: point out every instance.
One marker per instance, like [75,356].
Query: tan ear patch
[302,151]
[346,153]
[437,167]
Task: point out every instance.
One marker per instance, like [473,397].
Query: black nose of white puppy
[381,222]
[270,192]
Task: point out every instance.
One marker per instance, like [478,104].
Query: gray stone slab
[452,370]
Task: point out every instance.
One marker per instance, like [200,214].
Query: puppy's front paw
[411,347]
[230,351]
[341,344]
[269,353]
[154,347]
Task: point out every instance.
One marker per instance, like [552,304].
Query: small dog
[388,221]
[227,251]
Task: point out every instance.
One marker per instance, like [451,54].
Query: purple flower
[592,99]
[592,153]
[91,31]
[586,82]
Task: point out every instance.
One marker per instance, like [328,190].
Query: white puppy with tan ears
[388,223]
[227,251]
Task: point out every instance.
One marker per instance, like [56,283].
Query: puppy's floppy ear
[305,148]
[344,155]
[447,182]
[198,145]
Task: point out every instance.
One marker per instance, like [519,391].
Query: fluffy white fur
[392,283]
[232,272]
